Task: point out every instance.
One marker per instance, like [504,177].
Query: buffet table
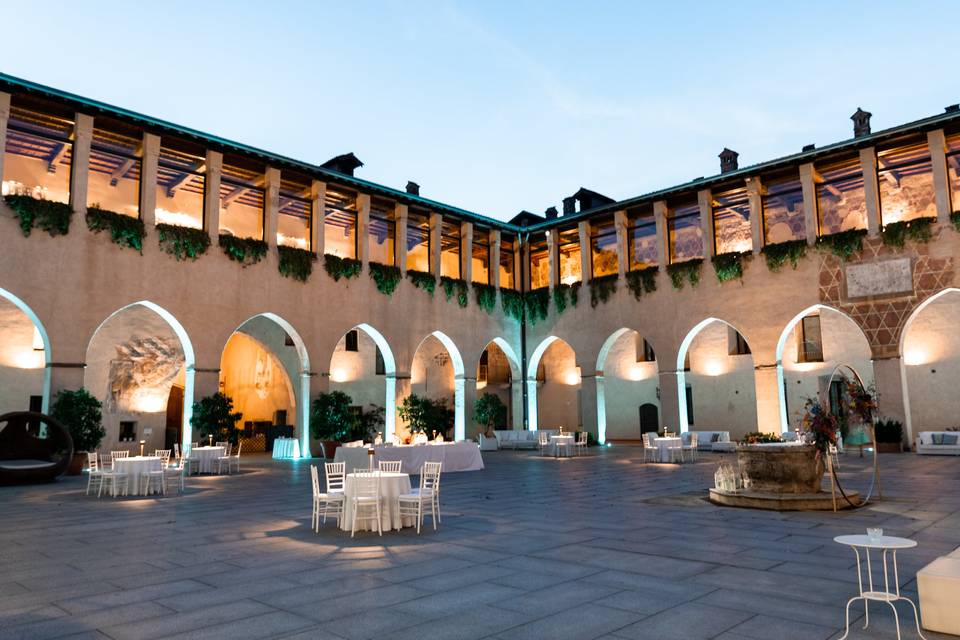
[455,456]
[286,448]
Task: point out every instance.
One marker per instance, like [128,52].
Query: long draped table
[455,456]
[392,485]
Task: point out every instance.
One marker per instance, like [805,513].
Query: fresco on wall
[141,374]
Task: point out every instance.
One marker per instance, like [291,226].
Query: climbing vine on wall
[729,266]
[601,288]
[246,251]
[423,280]
[486,296]
[778,253]
[52,217]
[337,267]
[688,270]
[124,230]
[564,295]
[537,304]
[296,263]
[385,276]
[512,303]
[896,234]
[843,244]
[455,286]
[183,242]
[642,281]
[955,219]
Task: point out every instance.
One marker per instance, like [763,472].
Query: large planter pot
[329,448]
[75,467]
[778,468]
[889,447]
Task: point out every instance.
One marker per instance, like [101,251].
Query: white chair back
[648,440]
[239,447]
[164,455]
[93,462]
[226,448]
[543,439]
[118,454]
[176,450]
[582,438]
[315,481]
[367,485]
[693,440]
[106,461]
[430,476]
[392,466]
[336,474]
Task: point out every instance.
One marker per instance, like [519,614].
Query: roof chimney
[809,147]
[861,123]
[551,213]
[569,206]
[345,163]
[953,108]
[728,160]
[413,188]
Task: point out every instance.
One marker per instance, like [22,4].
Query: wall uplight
[713,368]
[573,377]
[149,401]
[914,356]
[339,375]
[635,373]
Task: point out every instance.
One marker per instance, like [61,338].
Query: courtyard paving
[598,547]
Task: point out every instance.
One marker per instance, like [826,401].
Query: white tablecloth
[208,458]
[665,444]
[135,466]
[286,448]
[391,486]
[455,456]
[565,440]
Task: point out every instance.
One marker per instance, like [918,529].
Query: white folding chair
[324,503]
[336,473]
[106,462]
[391,466]
[650,450]
[114,482]
[543,441]
[366,499]
[176,473]
[223,444]
[164,455]
[426,499]
[225,459]
[582,442]
[691,448]
[154,480]
[94,473]
[676,451]
[176,450]
[118,454]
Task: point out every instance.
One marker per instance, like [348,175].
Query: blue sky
[502,106]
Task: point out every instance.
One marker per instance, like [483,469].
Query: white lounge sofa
[487,444]
[705,439]
[943,443]
[510,439]
[938,585]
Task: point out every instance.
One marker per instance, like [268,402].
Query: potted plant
[80,414]
[214,416]
[332,420]
[426,415]
[889,435]
[490,412]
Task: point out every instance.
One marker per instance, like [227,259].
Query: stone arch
[533,392]
[24,308]
[188,366]
[601,379]
[390,375]
[717,369]
[781,345]
[299,377]
[459,382]
[516,374]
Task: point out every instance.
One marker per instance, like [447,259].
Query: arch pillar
[766,383]
[889,376]
[670,401]
[469,401]
[591,386]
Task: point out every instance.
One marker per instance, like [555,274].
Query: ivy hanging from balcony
[642,281]
[337,267]
[778,253]
[486,296]
[512,303]
[124,230]
[182,242]
[896,234]
[601,288]
[52,217]
[564,294]
[455,286]
[688,270]
[296,263]
[955,219]
[386,277]
[843,244]
[537,304]
[246,251]
[729,266]
[423,280]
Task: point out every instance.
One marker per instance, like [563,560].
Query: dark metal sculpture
[34,447]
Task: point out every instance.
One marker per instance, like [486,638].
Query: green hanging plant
[337,267]
[955,219]
[896,234]
[486,296]
[602,287]
[729,266]
[564,293]
[246,251]
[778,253]
[124,230]
[183,242]
[512,303]
[843,244]
[423,280]
[689,270]
[386,277]
[642,281]
[52,217]
[456,286]
[296,263]
[537,304]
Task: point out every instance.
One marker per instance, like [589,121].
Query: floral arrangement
[862,404]
[758,437]
[818,425]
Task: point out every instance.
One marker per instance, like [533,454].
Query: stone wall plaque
[871,279]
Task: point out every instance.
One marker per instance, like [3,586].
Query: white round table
[206,458]
[562,444]
[665,445]
[392,485]
[886,544]
[134,467]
